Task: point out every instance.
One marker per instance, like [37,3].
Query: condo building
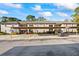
[24,27]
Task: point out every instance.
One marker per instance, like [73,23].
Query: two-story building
[22,27]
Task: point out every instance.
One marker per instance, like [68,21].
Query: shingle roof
[24,22]
[30,22]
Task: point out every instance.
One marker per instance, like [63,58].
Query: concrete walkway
[33,36]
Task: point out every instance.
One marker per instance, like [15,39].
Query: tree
[66,20]
[3,19]
[41,19]
[31,18]
[13,19]
[7,19]
[75,16]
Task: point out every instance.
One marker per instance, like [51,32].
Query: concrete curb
[42,39]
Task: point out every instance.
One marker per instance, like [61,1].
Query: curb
[42,39]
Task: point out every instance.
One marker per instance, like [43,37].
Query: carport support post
[28,31]
[11,36]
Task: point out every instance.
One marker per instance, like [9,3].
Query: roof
[37,22]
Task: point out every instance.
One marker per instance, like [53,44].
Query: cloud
[62,14]
[37,8]
[13,5]
[45,14]
[71,6]
[3,12]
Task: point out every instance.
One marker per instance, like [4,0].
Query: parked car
[61,33]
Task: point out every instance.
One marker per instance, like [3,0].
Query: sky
[51,11]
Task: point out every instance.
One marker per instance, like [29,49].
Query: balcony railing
[40,27]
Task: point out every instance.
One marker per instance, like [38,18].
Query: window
[30,25]
[37,31]
[5,25]
[50,25]
[26,25]
[5,31]
[21,25]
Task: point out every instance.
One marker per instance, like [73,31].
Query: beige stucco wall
[7,28]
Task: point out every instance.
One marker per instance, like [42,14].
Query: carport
[25,29]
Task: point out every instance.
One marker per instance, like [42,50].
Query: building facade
[37,27]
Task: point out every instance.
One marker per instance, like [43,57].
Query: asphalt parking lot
[44,50]
[63,47]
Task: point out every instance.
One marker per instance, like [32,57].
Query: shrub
[3,33]
[13,33]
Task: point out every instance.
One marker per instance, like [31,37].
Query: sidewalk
[34,37]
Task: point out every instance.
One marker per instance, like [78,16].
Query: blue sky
[51,11]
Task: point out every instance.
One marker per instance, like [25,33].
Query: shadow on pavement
[44,50]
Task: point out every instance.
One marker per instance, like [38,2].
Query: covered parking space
[29,29]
